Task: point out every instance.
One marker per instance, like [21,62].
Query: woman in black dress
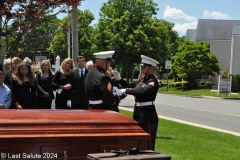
[61,83]
[44,84]
[24,87]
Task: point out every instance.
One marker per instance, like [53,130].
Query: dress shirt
[5,96]
[81,70]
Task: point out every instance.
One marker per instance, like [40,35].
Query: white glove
[114,93]
[116,75]
[123,90]
[117,91]
[69,103]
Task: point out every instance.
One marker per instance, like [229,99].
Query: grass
[184,142]
[198,92]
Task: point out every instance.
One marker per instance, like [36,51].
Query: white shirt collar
[82,69]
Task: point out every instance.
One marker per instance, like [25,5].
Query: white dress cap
[104,55]
[148,61]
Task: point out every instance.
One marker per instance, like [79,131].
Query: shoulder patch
[109,87]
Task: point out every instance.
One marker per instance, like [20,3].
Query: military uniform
[98,86]
[145,94]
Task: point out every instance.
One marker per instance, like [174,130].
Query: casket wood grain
[77,132]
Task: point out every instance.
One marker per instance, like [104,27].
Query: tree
[39,37]
[18,16]
[58,45]
[86,34]
[130,28]
[193,60]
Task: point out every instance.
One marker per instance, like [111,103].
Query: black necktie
[81,73]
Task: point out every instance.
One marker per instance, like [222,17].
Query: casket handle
[65,155]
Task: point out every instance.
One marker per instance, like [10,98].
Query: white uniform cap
[148,61]
[104,55]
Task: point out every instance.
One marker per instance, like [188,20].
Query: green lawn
[200,91]
[184,142]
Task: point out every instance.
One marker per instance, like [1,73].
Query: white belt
[95,102]
[145,103]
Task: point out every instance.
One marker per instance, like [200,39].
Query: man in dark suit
[77,97]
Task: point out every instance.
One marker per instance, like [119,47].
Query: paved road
[212,113]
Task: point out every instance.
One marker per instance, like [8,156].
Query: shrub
[235,83]
[184,83]
[209,83]
[177,84]
[202,82]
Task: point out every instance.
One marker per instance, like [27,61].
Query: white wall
[236,55]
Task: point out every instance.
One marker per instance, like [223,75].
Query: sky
[183,13]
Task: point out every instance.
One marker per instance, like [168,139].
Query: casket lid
[66,123]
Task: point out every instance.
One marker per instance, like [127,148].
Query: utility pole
[68,33]
[74,33]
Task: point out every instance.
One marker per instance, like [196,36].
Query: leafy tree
[86,36]
[58,45]
[193,60]
[130,28]
[39,37]
[36,39]
[18,16]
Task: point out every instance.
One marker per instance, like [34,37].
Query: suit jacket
[77,94]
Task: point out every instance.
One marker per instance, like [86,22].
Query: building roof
[210,29]
[191,34]
[236,30]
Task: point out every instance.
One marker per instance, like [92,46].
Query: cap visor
[144,64]
[110,59]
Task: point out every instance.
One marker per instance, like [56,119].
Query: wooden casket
[66,134]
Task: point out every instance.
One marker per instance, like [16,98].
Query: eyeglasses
[81,61]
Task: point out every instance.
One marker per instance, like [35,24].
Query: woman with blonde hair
[24,87]
[44,86]
[15,62]
[60,82]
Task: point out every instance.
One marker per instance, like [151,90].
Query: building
[224,39]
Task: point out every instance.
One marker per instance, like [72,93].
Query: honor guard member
[145,91]
[98,86]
